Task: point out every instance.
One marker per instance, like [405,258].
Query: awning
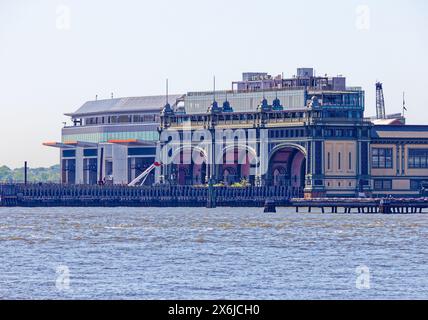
[131,142]
[67,145]
[74,144]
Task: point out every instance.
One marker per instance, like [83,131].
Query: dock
[58,195]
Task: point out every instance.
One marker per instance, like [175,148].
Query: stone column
[79,165]
[120,164]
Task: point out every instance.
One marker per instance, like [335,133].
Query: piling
[270,206]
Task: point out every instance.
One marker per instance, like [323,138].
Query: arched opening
[237,163]
[188,167]
[287,167]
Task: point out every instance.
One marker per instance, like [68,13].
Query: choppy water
[187,253]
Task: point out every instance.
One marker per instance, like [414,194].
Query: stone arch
[245,147]
[188,173]
[287,166]
[179,150]
[238,168]
[288,145]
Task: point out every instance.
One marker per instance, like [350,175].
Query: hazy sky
[55,55]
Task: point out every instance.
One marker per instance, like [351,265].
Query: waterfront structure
[307,133]
[111,141]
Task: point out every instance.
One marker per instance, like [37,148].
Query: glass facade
[243,102]
[106,136]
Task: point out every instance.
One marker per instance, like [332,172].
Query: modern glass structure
[111,141]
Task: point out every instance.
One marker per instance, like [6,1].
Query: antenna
[166,91]
[404,105]
[214,88]
[380,102]
[263,89]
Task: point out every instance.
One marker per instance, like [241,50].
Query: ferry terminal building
[317,139]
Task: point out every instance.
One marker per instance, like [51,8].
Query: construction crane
[144,175]
[380,102]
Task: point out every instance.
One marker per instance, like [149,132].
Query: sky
[55,55]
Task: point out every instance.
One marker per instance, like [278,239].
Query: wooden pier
[51,195]
[362,205]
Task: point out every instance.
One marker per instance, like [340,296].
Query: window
[418,159]
[142,151]
[68,153]
[338,161]
[381,158]
[328,160]
[124,119]
[415,184]
[364,133]
[350,133]
[90,152]
[350,161]
[328,132]
[382,184]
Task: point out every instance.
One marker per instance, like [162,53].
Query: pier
[57,195]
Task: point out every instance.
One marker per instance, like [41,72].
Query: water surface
[197,253]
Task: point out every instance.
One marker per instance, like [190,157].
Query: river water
[222,253]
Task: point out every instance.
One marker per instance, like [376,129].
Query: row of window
[348,133]
[239,117]
[382,158]
[342,114]
[122,119]
[289,133]
[382,184]
[105,136]
[270,116]
[418,158]
[342,99]
[144,151]
[386,184]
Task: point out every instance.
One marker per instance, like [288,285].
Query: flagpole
[404,104]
